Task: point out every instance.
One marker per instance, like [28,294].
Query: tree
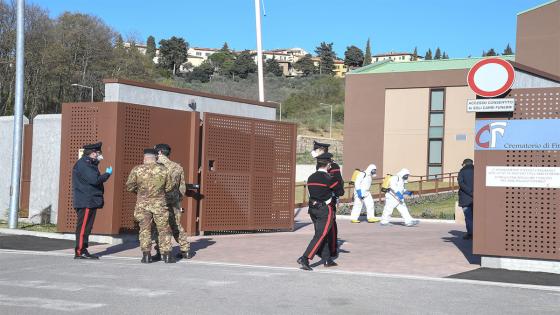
[223,60]
[508,50]
[327,57]
[438,54]
[367,57]
[445,56]
[244,64]
[202,73]
[305,65]
[273,66]
[151,47]
[173,53]
[415,54]
[353,57]
[428,55]
[490,53]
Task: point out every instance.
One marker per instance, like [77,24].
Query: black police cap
[317,145]
[325,157]
[93,147]
[162,146]
[150,151]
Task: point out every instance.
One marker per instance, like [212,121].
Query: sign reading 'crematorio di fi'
[527,134]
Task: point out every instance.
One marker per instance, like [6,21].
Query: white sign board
[491,105]
[529,177]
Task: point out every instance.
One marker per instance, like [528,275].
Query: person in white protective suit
[362,195]
[394,198]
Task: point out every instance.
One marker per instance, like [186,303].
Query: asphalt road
[51,283]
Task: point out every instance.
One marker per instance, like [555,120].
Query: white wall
[118,92]
[6,145]
[45,167]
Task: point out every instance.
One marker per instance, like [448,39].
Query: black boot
[184,255]
[89,256]
[330,263]
[156,257]
[304,262]
[146,258]
[168,258]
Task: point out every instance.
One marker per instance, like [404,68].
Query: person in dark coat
[466,187]
[87,190]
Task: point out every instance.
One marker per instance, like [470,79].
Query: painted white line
[319,271]
[48,304]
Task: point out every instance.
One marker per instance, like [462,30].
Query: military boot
[146,258]
[304,263]
[168,258]
[184,255]
[156,257]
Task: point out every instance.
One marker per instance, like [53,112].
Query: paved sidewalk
[430,249]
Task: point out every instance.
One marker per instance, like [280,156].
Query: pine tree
[438,53]
[428,55]
[151,47]
[484,53]
[445,56]
[415,54]
[491,52]
[327,55]
[508,50]
[225,47]
[367,57]
[353,57]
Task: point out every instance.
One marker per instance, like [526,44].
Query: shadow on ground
[465,246]
[510,276]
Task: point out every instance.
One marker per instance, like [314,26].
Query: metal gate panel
[125,129]
[248,174]
[519,222]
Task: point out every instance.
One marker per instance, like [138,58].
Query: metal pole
[92,94]
[18,120]
[330,128]
[259,50]
[280,111]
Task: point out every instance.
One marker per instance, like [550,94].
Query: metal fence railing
[420,185]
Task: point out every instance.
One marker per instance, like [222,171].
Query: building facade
[395,57]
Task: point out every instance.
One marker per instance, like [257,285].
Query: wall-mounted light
[192,105]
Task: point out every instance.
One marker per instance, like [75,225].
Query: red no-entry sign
[491,77]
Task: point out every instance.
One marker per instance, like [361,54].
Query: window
[198,53]
[436,132]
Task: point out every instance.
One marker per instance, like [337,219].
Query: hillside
[301,98]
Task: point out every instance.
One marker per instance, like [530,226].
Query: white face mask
[100,157]
[314,154]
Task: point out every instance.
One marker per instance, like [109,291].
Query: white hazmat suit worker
[362,195]
[394,198]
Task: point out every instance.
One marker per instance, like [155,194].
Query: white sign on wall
[491,105]
[529,177]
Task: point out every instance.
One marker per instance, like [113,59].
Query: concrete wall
[45,167]
[457,123]
[406,131]
[6,145]
[118,92]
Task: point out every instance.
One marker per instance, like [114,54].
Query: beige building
[395,56]
[340,69]
[143,49]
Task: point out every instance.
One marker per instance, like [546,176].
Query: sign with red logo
[491,77]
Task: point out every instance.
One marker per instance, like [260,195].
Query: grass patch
[437,206]
[32,226]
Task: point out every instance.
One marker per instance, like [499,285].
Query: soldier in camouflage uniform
[150,181]
[173,199]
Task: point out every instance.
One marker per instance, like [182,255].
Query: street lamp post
[280,106]
[18,118]
[330,126]
[259,50]
[85,87]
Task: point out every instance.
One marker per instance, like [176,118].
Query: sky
[461,28]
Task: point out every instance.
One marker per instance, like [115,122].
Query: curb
[104,239]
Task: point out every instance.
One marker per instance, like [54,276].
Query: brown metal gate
[248,174]
[519,222]
[125,129]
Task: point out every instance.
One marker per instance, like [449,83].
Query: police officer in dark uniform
[321,186]
[318,149]
[87,189]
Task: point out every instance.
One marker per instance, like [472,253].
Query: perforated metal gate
[519,222]
[125,129]
[248,174]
